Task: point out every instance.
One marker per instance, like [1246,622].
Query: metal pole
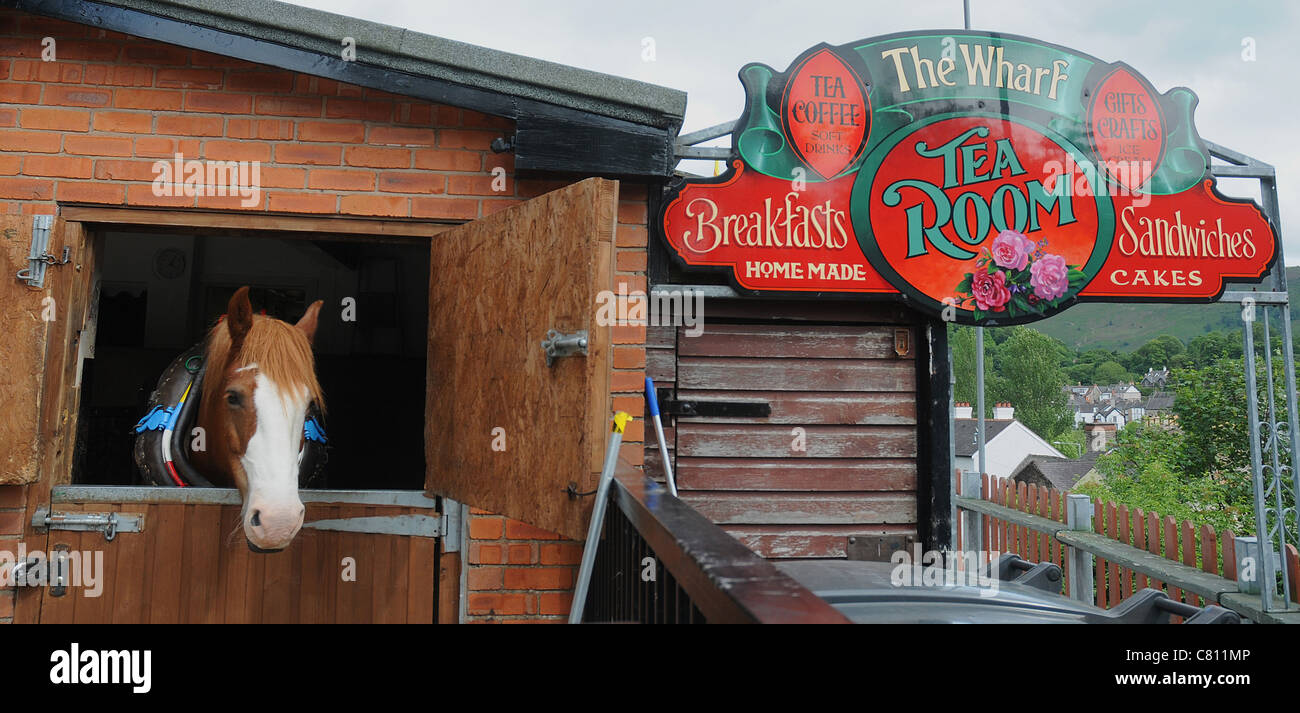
[597,519]
[653,401]
[1264,567]
[972,521]
[1268,191]
[966,11]
[1275,443]
[1078,516]
[979,398]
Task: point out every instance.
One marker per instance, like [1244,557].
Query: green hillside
[1127,326]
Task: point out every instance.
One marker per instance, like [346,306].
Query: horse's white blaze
[271,465]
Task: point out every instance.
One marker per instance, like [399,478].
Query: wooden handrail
[724,579]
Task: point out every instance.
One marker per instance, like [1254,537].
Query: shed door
[505,432]
[836,457]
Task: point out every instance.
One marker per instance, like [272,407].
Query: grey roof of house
[1062,473]
[429,56]
[964,433]
[1160,402]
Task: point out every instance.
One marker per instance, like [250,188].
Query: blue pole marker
[653,402]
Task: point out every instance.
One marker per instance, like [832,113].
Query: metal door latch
[38,259]
[558,344]
[109,523]
[670,405]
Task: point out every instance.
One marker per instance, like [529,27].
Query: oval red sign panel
[1127,130]
[826,113]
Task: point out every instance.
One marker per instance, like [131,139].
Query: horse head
[261,379]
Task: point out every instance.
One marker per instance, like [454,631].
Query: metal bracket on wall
[558,344]
[877,548]
[38,259]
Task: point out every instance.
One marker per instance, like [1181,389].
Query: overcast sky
[1249,106]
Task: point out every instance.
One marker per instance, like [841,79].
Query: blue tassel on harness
[158,419]
[312,430]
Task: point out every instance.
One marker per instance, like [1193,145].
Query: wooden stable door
[506,431]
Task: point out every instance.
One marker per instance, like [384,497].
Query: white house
[1006,441]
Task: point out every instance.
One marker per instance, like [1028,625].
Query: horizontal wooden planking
[830,541]
[660,337]
[819,474]
[803,508]
[754,441]
[786,374]
[733,340]
[191,565]
[813,407]
[653,463]
[806,310]
[661,365]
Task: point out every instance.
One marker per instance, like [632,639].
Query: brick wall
[88,127]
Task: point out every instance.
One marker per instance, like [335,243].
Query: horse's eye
[233,398]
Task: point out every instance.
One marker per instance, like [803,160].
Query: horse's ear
[239,318]
[310,319]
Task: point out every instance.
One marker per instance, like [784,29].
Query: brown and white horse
[260,380]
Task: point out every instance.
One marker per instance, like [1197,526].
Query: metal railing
[1082,545]
[660,561]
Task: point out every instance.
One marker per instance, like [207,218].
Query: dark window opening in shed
[159,294]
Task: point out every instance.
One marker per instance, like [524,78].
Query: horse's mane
[280,350]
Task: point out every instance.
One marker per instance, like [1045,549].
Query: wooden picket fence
[1186,542]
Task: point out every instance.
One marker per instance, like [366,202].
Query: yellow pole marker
[621,419]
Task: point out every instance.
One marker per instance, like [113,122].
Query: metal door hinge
[38,259]
[109,523]
[558,344]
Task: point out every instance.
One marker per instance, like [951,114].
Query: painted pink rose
[990,291]
[1011,250]
[1049,276]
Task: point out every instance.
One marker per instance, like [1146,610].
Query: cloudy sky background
[1248,106]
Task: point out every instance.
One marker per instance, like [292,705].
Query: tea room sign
[997,176]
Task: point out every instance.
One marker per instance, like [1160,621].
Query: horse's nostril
[256,521]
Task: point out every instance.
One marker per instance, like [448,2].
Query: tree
[1111,372]
[1033,381]
[1157,353]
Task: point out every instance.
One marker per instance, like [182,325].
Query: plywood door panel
[498,285]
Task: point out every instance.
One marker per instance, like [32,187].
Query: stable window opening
[160,293]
